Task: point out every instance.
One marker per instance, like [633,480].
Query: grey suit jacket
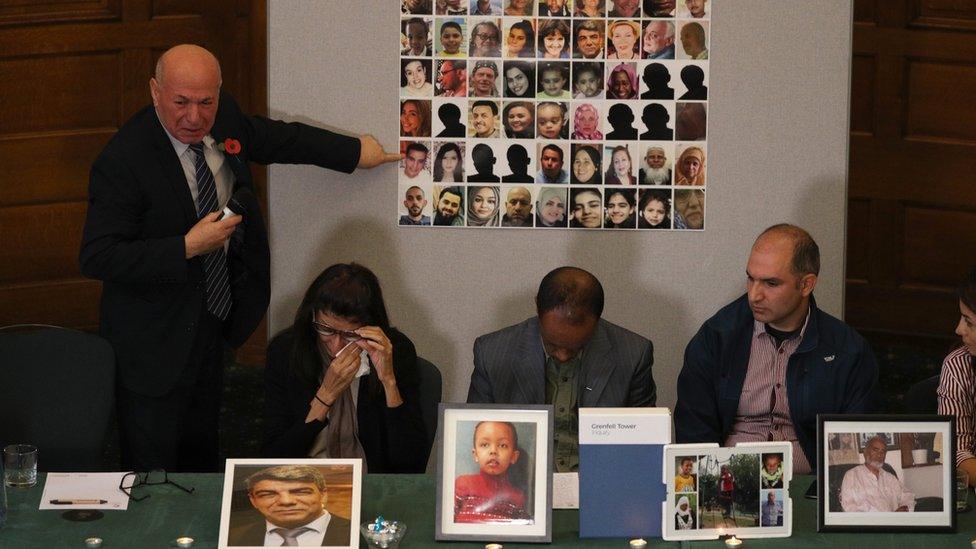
[510,367]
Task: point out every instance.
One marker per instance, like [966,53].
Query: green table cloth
[170,513]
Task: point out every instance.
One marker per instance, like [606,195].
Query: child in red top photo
[489,496]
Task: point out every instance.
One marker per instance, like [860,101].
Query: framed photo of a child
[495,473]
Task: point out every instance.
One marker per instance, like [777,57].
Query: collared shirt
[407,220]
[862,491]
[957,397]
[223,176]
[562,391]
[764,407]
[473,133]
[666,53]
[562,177]
[310,538]
[771,513]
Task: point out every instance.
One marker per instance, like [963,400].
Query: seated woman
[957,383]
[341,383]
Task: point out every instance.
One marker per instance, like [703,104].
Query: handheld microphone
[235,206]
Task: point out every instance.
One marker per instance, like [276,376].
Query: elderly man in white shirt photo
[869,488]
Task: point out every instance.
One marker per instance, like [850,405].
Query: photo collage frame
[714,491]
[587,114]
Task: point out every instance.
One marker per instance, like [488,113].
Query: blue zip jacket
[832,371]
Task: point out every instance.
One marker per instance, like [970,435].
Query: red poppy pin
[229,146]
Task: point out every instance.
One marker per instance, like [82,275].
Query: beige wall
[779,79]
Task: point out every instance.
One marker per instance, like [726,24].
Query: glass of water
[962,490]
[20,465]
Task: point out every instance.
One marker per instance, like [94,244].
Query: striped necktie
[215,262]
[290,535]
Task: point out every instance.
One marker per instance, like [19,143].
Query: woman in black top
[341,383]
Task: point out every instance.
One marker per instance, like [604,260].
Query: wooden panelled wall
[71,72]
[911,221]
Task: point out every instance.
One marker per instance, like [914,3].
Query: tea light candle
[638,543]
[733,542]
[184,542]
[93,542]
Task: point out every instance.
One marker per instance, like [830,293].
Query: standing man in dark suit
[178,280]
[566,356]
[292,500]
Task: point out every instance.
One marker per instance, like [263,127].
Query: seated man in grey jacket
[566,356]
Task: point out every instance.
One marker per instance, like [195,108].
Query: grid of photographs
[742,490]
[586,114]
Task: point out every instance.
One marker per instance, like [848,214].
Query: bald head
[572,291]
[185,92]
[188,61]
[805,252]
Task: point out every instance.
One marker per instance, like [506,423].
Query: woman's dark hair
[347,290]
[554,26]
[967,290]
[594,158]
[425,63]
[526,68]
[660,196]
[525,27]
[627,194]
[439,171]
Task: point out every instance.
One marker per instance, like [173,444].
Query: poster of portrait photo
[618,90]
[291,502]
[713,491]
[886,473]
[495,473]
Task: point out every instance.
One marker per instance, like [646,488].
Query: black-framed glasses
[150,478]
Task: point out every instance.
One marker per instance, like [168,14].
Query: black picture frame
[928,513]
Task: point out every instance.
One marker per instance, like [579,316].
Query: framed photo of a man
[495,479]
[886,473]
[291,502]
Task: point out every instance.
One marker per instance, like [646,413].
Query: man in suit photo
[566,356]
[292,499]
[179,281]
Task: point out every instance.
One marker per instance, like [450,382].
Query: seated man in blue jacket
[765,365]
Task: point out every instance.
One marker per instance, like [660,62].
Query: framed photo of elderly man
[291,502]
[886,473]
[495,473]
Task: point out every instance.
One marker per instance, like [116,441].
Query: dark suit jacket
[510,367]
[337,533]
[394,440]
[139,210]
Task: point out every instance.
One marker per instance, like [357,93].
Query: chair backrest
[431,387]
[921,398]
[57,390]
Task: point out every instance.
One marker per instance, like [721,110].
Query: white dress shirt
[223,176]
[862,491]
[309,538]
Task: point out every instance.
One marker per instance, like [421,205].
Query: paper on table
[86,486]
[565,490]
